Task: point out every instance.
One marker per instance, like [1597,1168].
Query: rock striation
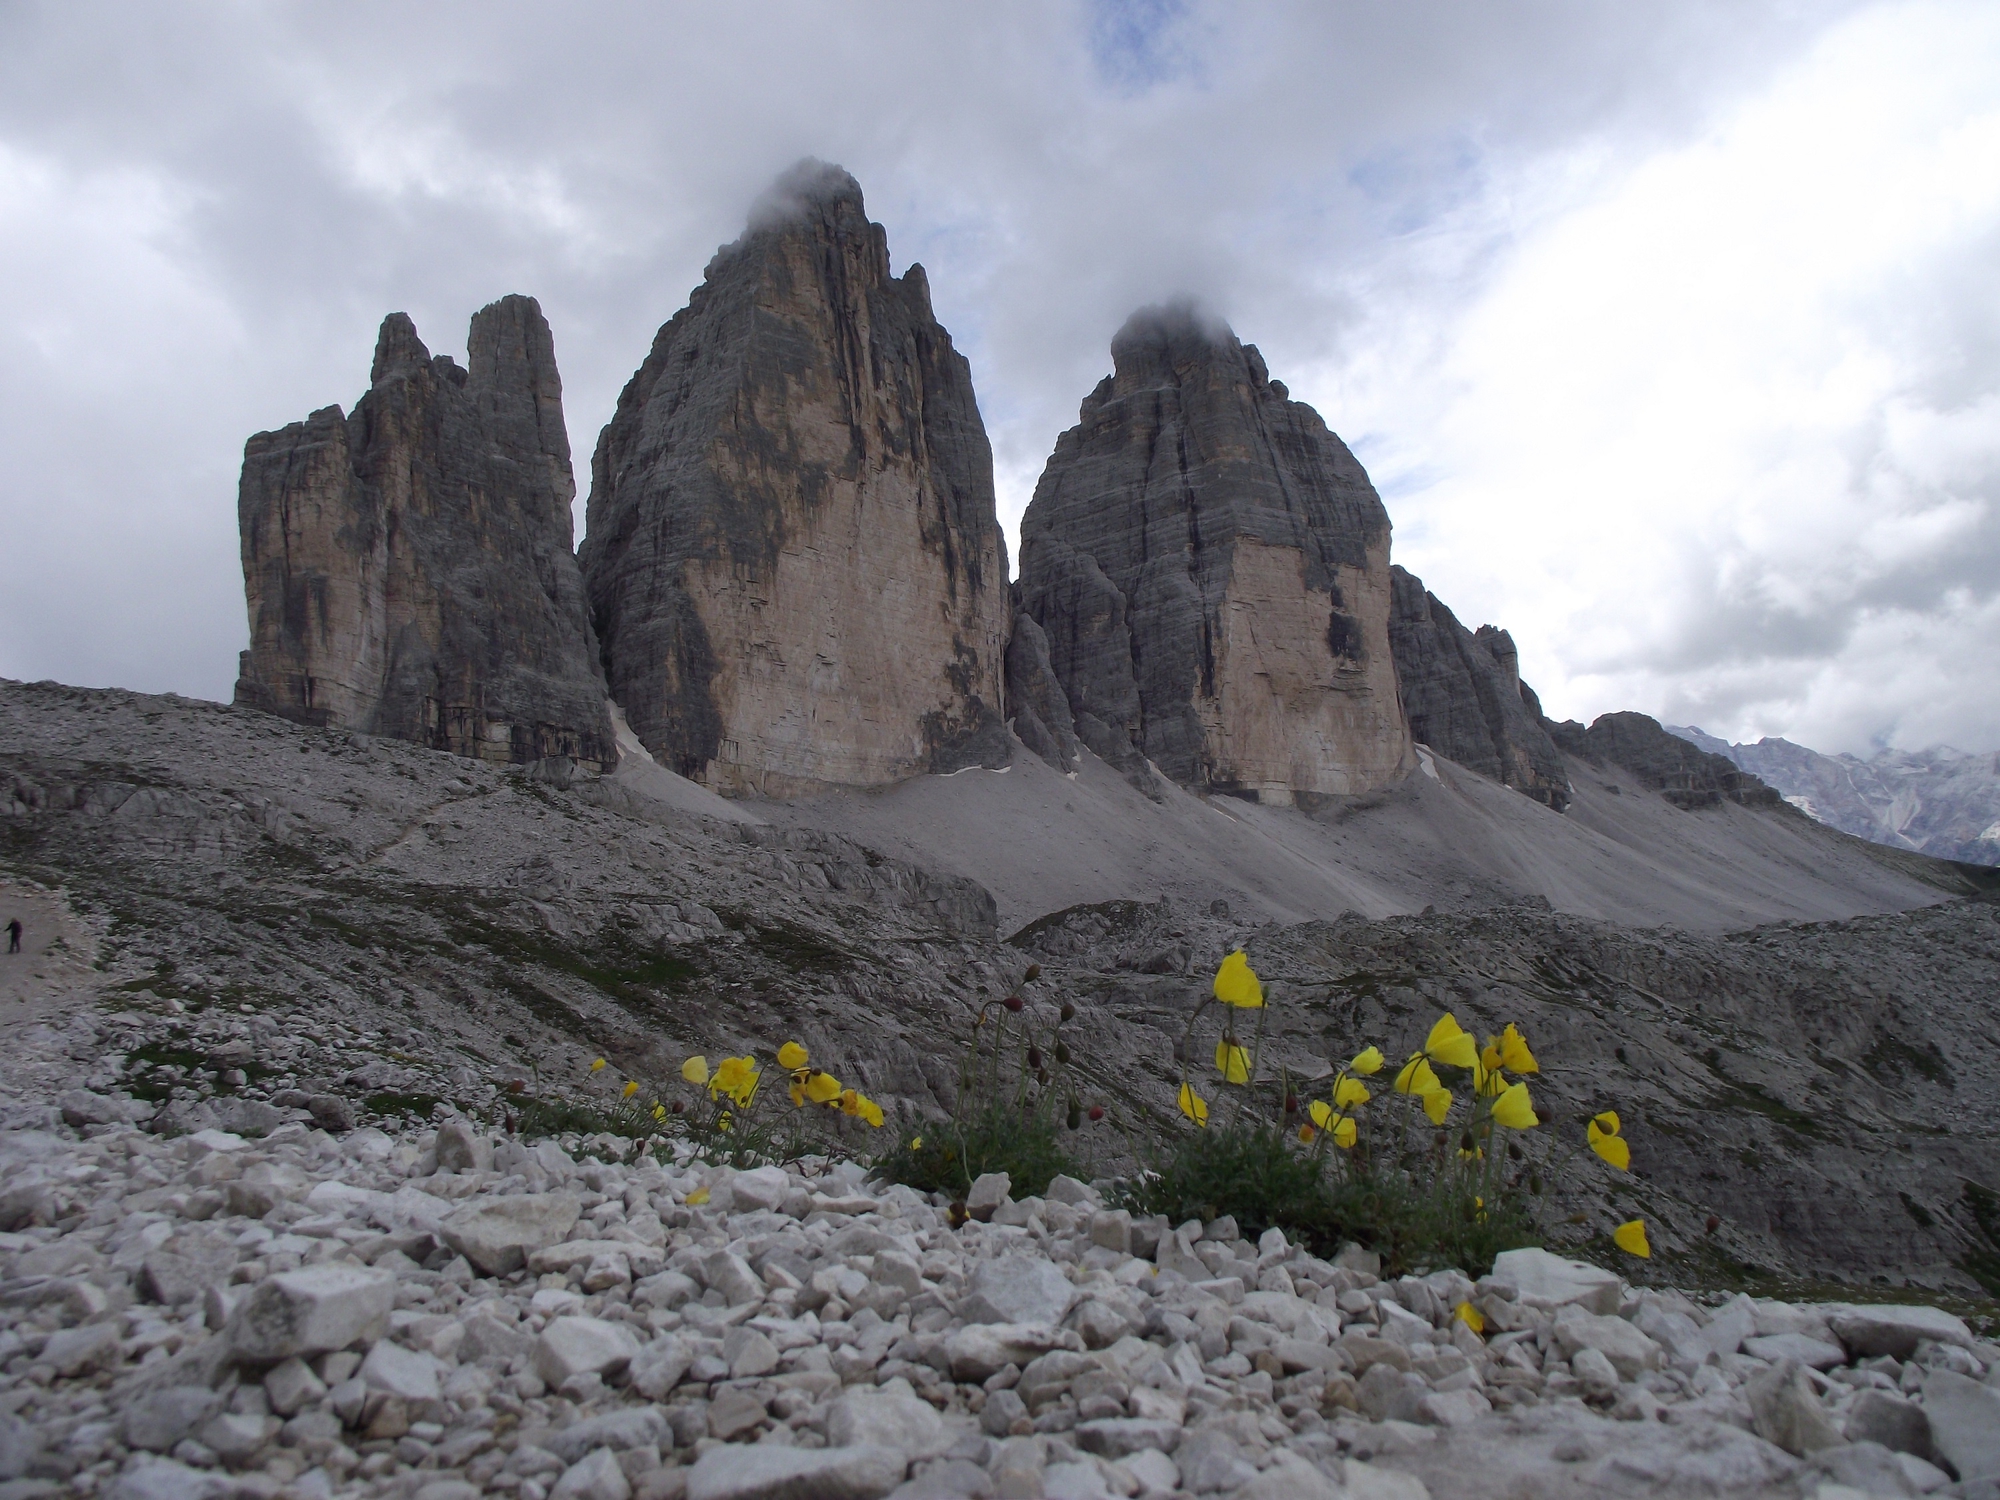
[409,569]
[792,553]
[1211,568]
[1463,692]
[1684,774]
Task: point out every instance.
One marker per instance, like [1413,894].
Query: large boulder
[1211,568]
[792,551]
[409,568]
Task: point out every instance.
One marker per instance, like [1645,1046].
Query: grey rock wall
[1463,692]
[408,568]
[1037,706]
[1686,775]
[1211,568]
[792,552]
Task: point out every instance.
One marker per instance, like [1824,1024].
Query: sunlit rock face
[1211,568]
[409,569]
[792,552]
[1465,698]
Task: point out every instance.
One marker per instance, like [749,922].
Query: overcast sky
[1670,332]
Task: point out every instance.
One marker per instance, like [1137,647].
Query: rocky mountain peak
[408,568]
[792,552]
[1211,567]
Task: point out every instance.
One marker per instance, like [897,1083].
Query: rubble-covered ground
[317,1310]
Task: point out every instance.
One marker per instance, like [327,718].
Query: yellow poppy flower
[698,1197]
[695,1070]
[1367,1062]
[1451,1044]
[1489,1055]
[871,1112]
[1437,1104]
[1193,1105]
[660,1112]
[1236,983]
[1345,1133]
[1348,1093]
[1321,1114]
[1417,1077]
[1486,1080]
[737,1078]
[1608,1145]
[1514,1053]
[1306,1133]
[631,1088]
[1631,1238]
[850,1101]
[596,1066]
[1606,1122]
[1232,1062]
[916,1143]
[798,1091]
[1514,1109]
[791,1056]
[822,1088]
[1470,1316]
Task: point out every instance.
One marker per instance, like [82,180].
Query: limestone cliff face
[409,568]
[1463,692]
[1683,773]
[792,552]
[1211,567]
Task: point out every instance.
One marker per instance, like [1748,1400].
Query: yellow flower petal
[698,1197]
[1437,1104]
[1236,982]
[1417,1077]
[1614,1150]
[1631,1238]
[916,1143]
[1232,1062]
[1367,1061]
[798,1092]
[1306,1134]
[695,1070]
[1193,1105]
[872,1113]
[631,1088]
[1349,1093]
[1514,1109]
[1489,1055]
[1514,1053]
[1449,1043]
[791,1056]
[594,1067]
[1344,1133]
[823,1088]
[1606,1122]
[1470,1316]
[850,1101]
[1322,1115]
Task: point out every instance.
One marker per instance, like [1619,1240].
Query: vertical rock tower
[792,553]
[1465,697]
[409,568]
[1211,568]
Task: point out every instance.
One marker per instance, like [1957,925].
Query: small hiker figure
[13,934]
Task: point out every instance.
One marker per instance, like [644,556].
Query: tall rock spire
[791,548]
[1211,567]
[409,568]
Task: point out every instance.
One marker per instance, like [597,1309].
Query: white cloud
[1667,330]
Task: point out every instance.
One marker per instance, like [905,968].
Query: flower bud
[1075,1117]
[1096,1113]
[1034,1057]
[1068,1011]
[1013,1003]
[1034,973]
[1291,1104]
[1714,1223]
[1062,1052]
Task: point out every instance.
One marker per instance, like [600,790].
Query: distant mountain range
[1940,801]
